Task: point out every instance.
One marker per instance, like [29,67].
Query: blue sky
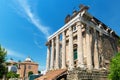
[26,24]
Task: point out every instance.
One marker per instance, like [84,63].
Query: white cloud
[25,8]
[37,44]
[15,54]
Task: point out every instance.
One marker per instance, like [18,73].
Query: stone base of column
[63,67]
[96,68]
[81,66]
[71,68]
[51,68]
[47,69]
[57,67]
[89,67]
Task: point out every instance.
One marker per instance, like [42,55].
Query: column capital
[47,43]
[95,32]
[78,23]
[52,40]
[57,37]
[87,29]
[70,28]
[48,46]
[63,33]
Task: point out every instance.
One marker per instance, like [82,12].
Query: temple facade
[83,43]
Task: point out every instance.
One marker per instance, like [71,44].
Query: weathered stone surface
[78,74]
[107,50]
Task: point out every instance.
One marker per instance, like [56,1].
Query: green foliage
[12,75]
[3,53]
[30,73]
[115,68]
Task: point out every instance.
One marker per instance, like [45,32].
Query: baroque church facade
[81,49]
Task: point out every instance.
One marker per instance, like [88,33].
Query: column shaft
[48,58]
[71,56]
[57,52]
[96,59]
[84,51]
[89,56]
[80,46]
[63,51]
[52,55]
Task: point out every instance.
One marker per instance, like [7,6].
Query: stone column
[57,52]
[63,51]
[84,51]
[80,45]
[88,50]
[96,58]
[71,56]
[48,58]
[52,55]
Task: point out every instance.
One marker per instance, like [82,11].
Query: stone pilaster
[80,45]
[96,58]
[63,50]
[48,58]
[57,52]
[88,50]
[71,56]
[52,56]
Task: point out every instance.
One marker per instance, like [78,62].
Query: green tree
[3,53]
[30,73]
[12,75]
[115,68]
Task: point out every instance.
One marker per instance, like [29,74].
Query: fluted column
[57,52]
[63,51]
[96,59]
[88,50]
[71,56]
[52,55]
[80,45]
[84,50]
[48,58]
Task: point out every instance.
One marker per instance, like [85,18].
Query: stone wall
[107,49]
[78,74]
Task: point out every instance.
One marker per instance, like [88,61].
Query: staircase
[52,74]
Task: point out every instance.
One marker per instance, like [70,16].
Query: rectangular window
[75,54]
